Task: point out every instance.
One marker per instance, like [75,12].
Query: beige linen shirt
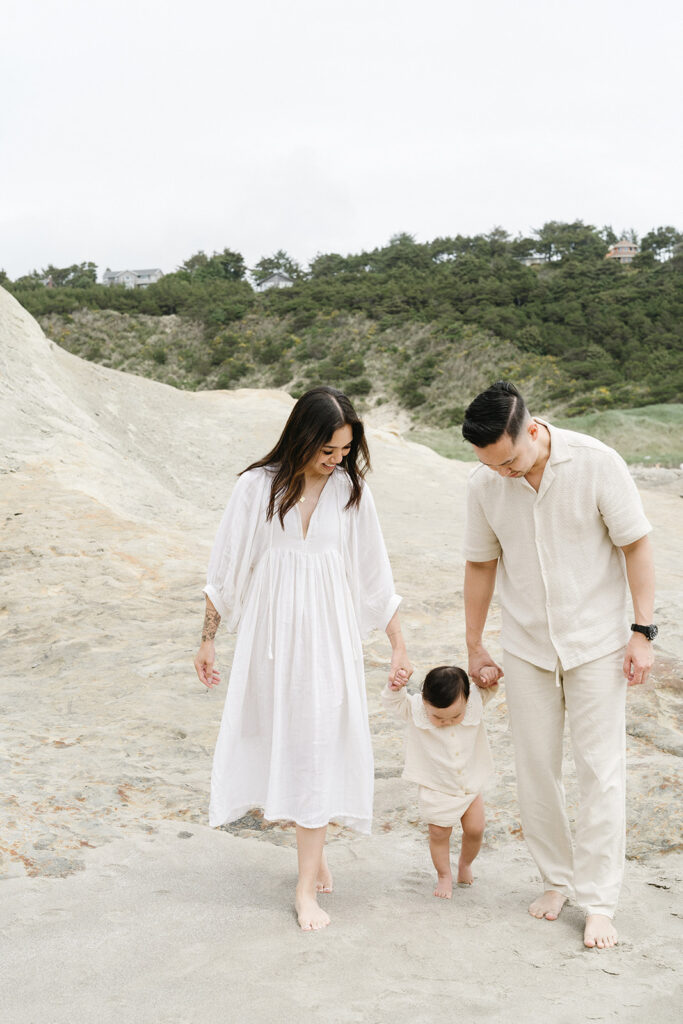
[451,759]
[561,577]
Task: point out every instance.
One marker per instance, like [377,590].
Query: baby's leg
[472,823]
[440,849]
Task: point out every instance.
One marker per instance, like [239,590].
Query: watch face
[648,631]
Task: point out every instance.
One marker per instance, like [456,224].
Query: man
[555,520]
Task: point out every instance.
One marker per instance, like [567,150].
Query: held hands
[488,676]
[638,659]
[400,669]
[399,681]
[483,669]
[204,665]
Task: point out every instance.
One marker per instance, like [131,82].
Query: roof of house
[138,273]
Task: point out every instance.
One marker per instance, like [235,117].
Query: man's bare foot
[599,932]
[465,876]
[444,886]
[548,905]
[325,882]
[311,916]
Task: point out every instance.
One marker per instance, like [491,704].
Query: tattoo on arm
[211,623]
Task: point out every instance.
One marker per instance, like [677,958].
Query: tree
[227,265]
[608,236]
[328,265]
[78,275]
[499,241]
[662,242]
[279,261]
[558,240]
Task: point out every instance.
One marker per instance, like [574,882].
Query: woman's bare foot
[311,917]
[548,905]
[325,882]
[465,876]
[599,932]
[444,886]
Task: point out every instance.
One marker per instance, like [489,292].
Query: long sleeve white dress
[294,738]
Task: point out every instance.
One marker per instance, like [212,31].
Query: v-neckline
[304,536]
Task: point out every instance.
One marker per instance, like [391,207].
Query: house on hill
[623,251]
[132,278]
[276,280]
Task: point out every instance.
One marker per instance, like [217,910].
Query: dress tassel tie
[271,599]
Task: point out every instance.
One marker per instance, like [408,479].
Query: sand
[118,902]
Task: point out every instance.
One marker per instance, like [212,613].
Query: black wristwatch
[650,632]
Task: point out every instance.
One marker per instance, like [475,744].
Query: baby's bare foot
[325,882]
[444,886]
[548,905]
[465,876]
[600,932]
[311,917]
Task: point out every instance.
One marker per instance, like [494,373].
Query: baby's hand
[488,675]
[400,680]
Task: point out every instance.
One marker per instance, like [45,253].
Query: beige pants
[594,697]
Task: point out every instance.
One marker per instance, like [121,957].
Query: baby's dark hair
[444,685]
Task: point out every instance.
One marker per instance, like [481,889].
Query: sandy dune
[119,903]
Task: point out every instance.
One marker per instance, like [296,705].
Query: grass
[652,434]
[432,377]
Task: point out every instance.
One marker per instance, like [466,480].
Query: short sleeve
[481,544]
[619,502]
[233,549]
[368,569]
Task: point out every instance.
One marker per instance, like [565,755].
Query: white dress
[294,737]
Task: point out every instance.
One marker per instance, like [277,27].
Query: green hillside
[423,326]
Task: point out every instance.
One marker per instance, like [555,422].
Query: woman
[300,570]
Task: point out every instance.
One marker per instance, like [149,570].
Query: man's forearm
[640,572]
[480,582]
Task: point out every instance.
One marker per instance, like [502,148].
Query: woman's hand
[400,669]
[204,664]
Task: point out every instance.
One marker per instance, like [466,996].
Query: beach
[119,903]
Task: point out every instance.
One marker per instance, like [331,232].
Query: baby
[447,754]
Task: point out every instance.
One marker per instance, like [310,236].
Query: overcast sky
[134,132]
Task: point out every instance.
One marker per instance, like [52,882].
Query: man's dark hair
[498,410]
[444,685]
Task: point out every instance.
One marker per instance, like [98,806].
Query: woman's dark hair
[498,410]
[444,685]
[310,426]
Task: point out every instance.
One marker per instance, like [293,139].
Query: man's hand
[483,669]
[638,659]
[488,676]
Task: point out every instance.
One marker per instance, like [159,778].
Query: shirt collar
[559,449]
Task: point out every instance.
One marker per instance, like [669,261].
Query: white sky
[135,132]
